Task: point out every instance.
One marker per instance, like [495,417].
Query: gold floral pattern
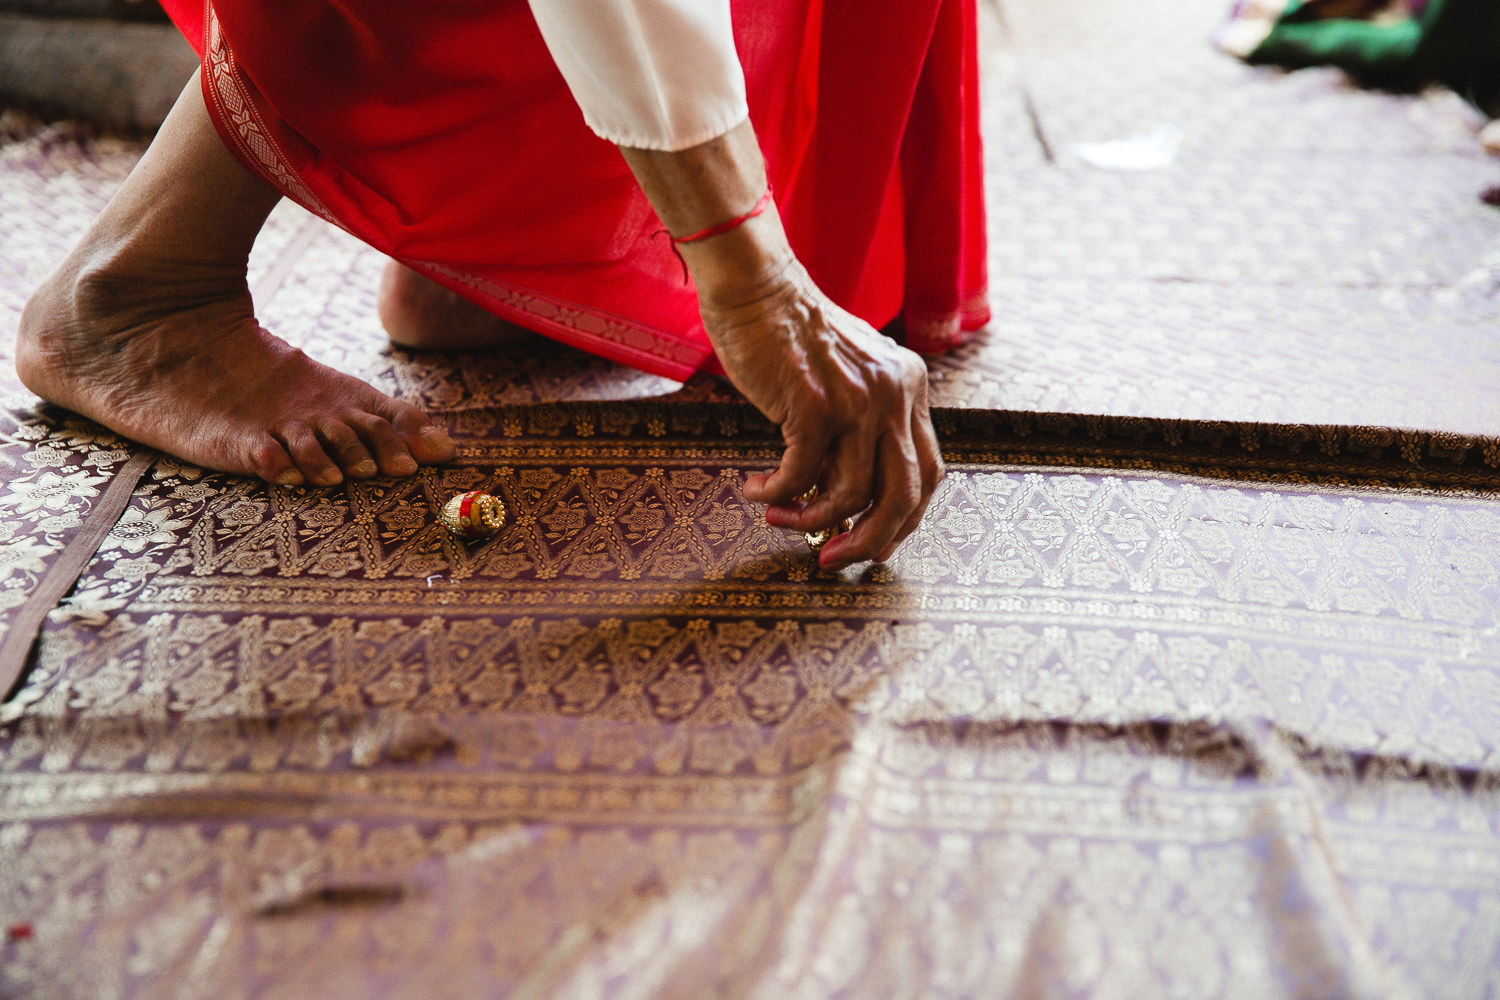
[1174,694]
[54,470]
[1088,714]
[925,859]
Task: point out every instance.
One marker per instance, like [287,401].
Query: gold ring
[817,539]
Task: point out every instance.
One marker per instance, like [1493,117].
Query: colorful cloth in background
[446,138]
[1400,45]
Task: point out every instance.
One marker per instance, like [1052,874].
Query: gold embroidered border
[1460,859]
[240,120]
[642,346]
[975,606]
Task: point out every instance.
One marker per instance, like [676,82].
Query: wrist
[741,266]
[695,188]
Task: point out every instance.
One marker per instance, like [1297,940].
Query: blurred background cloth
[113,62]
[1398,44]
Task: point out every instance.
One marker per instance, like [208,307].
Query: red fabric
[443,135]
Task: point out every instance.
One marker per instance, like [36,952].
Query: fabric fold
[451,142]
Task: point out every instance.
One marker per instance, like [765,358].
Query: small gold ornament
[817,539]
[473,515]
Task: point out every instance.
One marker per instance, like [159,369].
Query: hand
[851,403]
[852,406]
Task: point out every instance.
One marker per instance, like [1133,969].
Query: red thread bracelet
[718,230]
[734,223]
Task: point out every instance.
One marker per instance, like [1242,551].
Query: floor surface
[1189,684]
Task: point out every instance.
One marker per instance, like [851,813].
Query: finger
[340,441]
[390,450]
[797,473]
[848,485]
[897,495]
[308,454]
[930,457]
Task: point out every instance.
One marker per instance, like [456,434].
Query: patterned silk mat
[1087,734]
[1312,254]
[1186,687]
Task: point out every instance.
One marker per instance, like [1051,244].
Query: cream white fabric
[655,74]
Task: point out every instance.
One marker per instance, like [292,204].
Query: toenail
[290,477]
[365,468]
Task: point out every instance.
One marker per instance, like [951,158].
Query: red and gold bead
[473,515]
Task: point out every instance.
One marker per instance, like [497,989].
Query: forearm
[704,185]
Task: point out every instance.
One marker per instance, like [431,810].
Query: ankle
[123,280]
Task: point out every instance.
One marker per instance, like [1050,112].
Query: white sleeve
[654,74]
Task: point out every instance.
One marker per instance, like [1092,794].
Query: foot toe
[269,460]
[340,441]
[307,451]
[434,445]
[428,442]
[391,452]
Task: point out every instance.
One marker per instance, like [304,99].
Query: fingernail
[365,468]
[332,477]
[291,477]
[403,465]
[436,437]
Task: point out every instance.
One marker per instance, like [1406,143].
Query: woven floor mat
[310,733]
[1314,255]
[1198,642]
[633,511]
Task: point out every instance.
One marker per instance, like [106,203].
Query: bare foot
[420,314]
[180,364]
[147,328]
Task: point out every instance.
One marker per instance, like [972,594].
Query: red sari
[443,135]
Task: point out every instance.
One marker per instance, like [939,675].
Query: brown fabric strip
[15,649]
